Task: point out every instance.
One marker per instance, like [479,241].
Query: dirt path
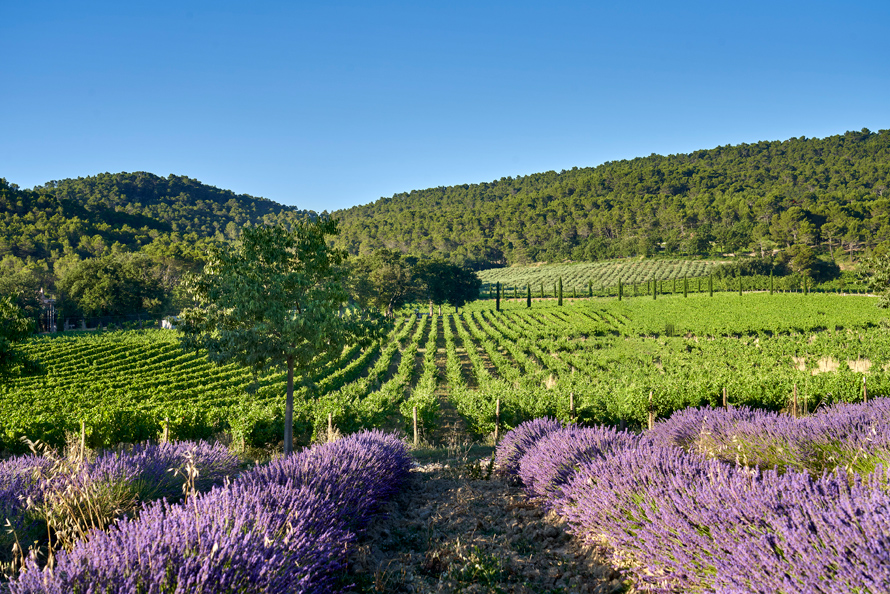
[452,531]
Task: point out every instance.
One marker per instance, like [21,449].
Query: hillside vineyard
[591,360]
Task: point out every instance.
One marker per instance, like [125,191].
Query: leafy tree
[434,278]
[463,287]
[116,284]
[14,327]
[275,301]
[384,280]
[875,272]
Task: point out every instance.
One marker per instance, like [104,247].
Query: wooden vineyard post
[794,402]
[166,434]
[864,391]
[331,427]
[497,419]
[83,439]
[415,426]
[572,405]
[651,412]
[725,406]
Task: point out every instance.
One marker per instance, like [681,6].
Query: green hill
[84,216]
[825,193]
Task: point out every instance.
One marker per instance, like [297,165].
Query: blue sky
[326,105]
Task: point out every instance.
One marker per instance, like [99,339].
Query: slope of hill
[826,193]
[86,215]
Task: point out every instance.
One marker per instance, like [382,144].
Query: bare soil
[456,528]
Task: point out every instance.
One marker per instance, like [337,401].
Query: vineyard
[601,275]
[591,360]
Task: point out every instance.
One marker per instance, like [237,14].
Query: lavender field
[281,527]
[715,500]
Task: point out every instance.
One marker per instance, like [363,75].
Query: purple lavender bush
[357,472]
[848,436]
[517,442]
[690,524]
[19,484]
[284,527]
[553,459]
[243,538]
[149,469]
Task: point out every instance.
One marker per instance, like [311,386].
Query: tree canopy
[14,327]
[275,300]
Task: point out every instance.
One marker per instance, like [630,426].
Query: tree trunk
[289,410]
[431,308]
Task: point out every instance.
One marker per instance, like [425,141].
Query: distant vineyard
[602,356]
[601,274]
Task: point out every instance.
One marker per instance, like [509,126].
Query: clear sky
[327,104]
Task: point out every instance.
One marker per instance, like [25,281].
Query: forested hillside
[826,194]
[87,214]
[815,200]
[145,227]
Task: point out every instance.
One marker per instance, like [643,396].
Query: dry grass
[860,365]
[827,364]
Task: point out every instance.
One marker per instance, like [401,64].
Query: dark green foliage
[876,276]
[528,295]
[497,303]
[559,292]
[113,285]
[620,290]
[14,328]
[440,282]
[275,301]
[825,193]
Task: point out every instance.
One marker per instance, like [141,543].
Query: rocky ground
[457,527]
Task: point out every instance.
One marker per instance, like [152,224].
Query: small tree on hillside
[275,301]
